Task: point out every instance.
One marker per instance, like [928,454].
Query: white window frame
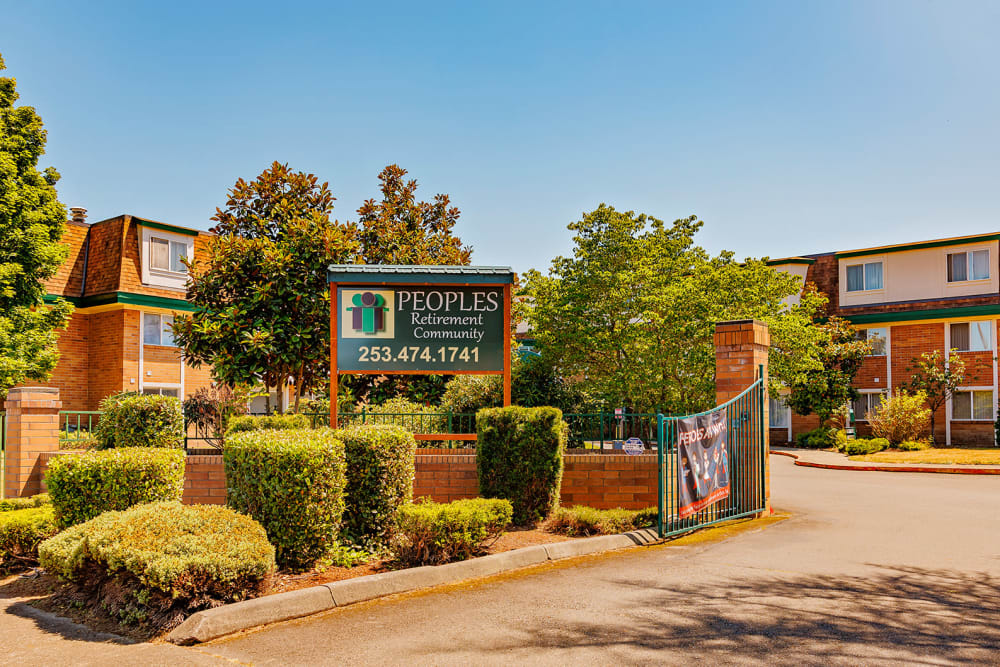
[968,266]
[864,278]
[157,388]
[868,392]
[158,277]
[785,410]
[972,417]
[159,329]
[990,326]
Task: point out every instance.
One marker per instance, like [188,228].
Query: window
[971,265]
[861,277]
[161,391]
[156,329]
[877,337]
[865,403]
[971,336]
[969,405]
[165,255]
[777,413]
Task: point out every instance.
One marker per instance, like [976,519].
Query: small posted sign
[702,462]
[634,447]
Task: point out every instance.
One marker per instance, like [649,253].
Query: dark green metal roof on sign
[402,274]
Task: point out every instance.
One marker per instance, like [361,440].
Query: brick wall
[909,341]
[106,366]
[872,374]
[161,364]
[68,278]
[445,477]
[204,481]
[71,375]
[607,480]
[978,368]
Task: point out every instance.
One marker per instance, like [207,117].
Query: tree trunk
[298,386]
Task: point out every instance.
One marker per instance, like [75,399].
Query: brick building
[909,299]
[125,277]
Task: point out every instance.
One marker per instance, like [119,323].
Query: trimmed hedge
[140,420]
[164,560]
[84,485]
[435,533]
[244,423]
[380,472]
[8,504]
[21,530]
[581,520]
[862,446]
[292,482]
[822,437]
[520,457]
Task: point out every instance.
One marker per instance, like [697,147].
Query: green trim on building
[929,314]
[51,298]
[918,246]
[126,298]
[166,228]
[790,260]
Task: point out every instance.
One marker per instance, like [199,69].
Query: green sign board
[445,329]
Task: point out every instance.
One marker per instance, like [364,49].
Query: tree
[32,222]
[632,312]
[401,230]
[938,382]
[826,389]
[261,297]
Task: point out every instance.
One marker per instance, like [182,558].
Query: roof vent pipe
[78,214]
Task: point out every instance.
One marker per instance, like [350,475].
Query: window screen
[177,251]
[159,254]
[166,330]
[967,405]
[980,339]
[151,329]
[777,413]
[960,336]
[980,264]
[855,278]
[873,275]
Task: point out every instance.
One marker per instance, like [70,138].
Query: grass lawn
[981,456]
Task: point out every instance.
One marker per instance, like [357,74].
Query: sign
[634,447]
[446,329]
[620,414]
[702,462]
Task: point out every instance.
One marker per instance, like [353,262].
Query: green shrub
[520,458]
[21,530]
[140,420]
[84,485]
[84,442]
[471,393]
[8,504]
[414,417]
[292,482]
[840,440]
[164,560]
[861,446]
[380,471]
[901,417]
[913,445]
[580,520]
[818,438]
[244,423]
[435,533]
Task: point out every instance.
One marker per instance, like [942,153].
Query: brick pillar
[741,348]
[32,428]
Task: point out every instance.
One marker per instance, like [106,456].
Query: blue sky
[789,127]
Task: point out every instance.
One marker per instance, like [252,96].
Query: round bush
[20,532]
[292,482]
[380,472]
[140,420]
[168,559]
[243,423]
[81,486]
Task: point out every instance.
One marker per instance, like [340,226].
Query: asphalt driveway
[873,568]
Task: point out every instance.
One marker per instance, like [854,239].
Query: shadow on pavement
[901,614]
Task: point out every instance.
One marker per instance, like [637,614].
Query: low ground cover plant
[520,457]
[901,418]
[435,533]
[129,419]
[156,563]
[582,521]
[83,486]
[822,437]
[913,445]
[292,482]
[23,525]
[244,423]
[380,472]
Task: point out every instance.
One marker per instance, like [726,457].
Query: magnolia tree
[31,223]
[632,312]
[936,380]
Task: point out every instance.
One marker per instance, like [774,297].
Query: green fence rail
[745,449]
[77,424]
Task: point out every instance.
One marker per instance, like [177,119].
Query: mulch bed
[45,592]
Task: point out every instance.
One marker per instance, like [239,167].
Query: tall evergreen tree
[32,222]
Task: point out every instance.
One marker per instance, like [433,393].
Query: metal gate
[745,447]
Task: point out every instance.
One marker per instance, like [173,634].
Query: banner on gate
[702,462]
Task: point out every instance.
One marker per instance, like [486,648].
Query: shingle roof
[393,273]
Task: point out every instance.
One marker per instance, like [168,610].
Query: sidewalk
[818,458]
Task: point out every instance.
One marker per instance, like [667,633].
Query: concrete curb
[211,624]
[899,467]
